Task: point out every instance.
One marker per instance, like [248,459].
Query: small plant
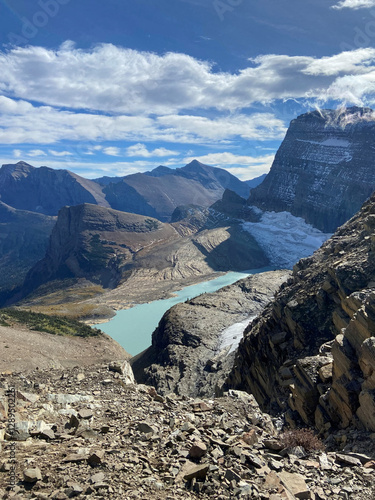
[302,437]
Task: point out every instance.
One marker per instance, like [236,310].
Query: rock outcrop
[46,190]
[93,242]
[311,352]
[193,349]
[324,169]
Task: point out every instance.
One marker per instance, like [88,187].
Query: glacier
[284,238]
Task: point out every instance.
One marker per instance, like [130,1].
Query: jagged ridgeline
[324,169]
[311,353]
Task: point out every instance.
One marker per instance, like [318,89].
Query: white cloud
[20,122]
[256,126]
[111,151]
[354,4]
[142,151]
[116,80]
[17,153]
[243,167]
[34,153]
[59,153]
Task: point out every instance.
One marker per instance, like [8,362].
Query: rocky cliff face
[192,349]
[46,190]
[95,243]
[311,353]
[324,169]
[23,242]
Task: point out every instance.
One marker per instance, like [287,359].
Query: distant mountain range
[156,193]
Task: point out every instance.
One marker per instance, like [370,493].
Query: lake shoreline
[143,318]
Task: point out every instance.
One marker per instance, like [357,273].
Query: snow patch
[333,143]
[231,336]
[284,238]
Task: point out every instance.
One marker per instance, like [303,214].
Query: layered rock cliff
[324,169]
[311,353]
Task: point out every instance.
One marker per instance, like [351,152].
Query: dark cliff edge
[324,169]
[311,353]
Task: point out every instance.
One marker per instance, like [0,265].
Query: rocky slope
[137,254]
[88,432]
[324,169]
[190,354]
[44,189]
[23,242]
[311,352]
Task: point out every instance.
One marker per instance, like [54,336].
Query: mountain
[23,242]
[139,256]
[158,192]
[256,181]
[157,196]
[325,168]
[44,189]
[311,353]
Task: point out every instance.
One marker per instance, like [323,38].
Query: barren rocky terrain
[89,432]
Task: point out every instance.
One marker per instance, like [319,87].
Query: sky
[117,87]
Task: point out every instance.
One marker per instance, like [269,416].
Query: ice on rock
[284,238]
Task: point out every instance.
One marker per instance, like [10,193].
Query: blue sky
[116,87]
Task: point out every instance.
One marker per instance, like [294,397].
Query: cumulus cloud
[59,153]
[116,80]
[354,4]
[111,151]
[36,153]
[142,151]
[20,122]
[243,167]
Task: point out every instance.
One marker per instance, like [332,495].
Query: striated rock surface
[323,170]
[192,348]
[46,190]
[96,243]
[311,352]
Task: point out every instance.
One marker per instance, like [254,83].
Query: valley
[294,340]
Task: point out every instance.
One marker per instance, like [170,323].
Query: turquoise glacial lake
[132,328]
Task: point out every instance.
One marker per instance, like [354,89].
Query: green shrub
[55,325]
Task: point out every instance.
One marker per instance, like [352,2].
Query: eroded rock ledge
[187,355]
[312,351]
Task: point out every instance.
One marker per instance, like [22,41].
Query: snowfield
[232,335]
[284,238]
